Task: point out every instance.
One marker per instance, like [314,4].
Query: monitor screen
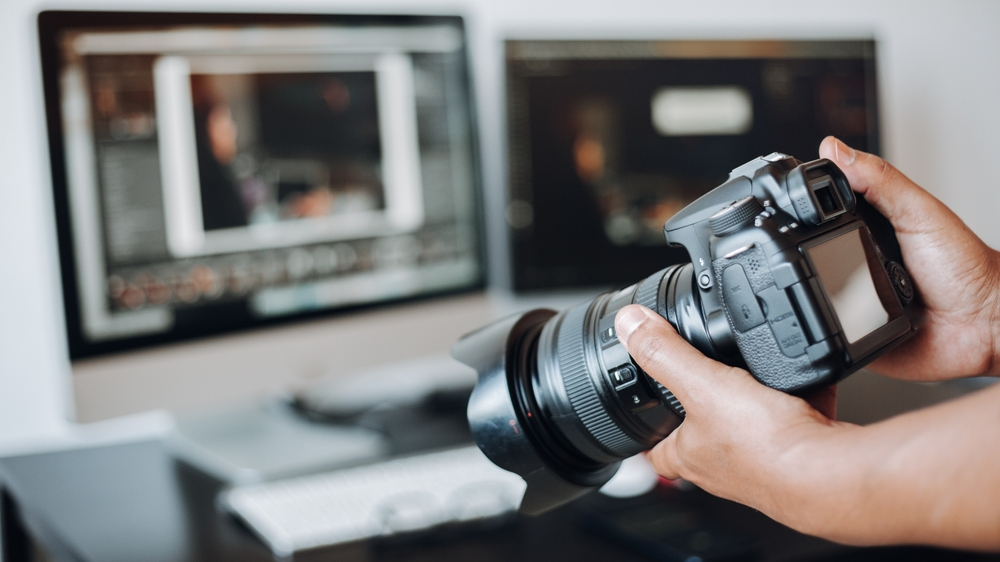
[215,172]
[608,139]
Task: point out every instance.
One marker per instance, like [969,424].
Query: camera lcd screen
[853,279]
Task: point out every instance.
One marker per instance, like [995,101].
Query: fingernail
[845,154]
[628,320]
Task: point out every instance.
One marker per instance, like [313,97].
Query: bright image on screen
[842,268]
[286,146]
[250,172]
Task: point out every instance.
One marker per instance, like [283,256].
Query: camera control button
[732,217]
[901,280]
[740,300]
[608,334]
[606,329]
[622,376]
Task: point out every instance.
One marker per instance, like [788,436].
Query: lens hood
[503,427]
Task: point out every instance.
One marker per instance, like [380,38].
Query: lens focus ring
[580,387]
[647,296]
[648,290]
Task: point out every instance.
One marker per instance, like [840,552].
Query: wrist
[818,484]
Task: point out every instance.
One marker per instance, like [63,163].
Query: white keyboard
[399,495]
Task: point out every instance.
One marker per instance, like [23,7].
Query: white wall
[940,87]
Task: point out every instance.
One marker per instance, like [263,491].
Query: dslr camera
[559,400]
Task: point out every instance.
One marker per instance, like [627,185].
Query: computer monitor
[608,139]
[312,177]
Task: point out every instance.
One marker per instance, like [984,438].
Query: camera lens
[576,403]
[601,404]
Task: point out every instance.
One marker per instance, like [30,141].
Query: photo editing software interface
[215,172]
[608,139]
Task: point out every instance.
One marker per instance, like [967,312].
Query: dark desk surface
[133,502]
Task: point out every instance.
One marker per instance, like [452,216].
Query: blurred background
[938,88]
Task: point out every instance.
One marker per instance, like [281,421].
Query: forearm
[928,477]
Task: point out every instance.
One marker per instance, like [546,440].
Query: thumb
[907,205]
[667,357]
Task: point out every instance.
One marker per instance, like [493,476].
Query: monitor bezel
[52,23]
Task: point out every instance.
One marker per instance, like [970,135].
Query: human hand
[740,439]
[918,478]
[956,275]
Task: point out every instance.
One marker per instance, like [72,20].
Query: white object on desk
[635,477]
[384,498]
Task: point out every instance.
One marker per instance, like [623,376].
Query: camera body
[559,400]
[756,244]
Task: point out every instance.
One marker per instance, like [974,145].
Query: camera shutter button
[733,216]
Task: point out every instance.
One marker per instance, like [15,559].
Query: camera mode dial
[730,218]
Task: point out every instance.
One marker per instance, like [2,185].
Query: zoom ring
[581,391]
[646,296]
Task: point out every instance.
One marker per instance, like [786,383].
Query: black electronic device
[560,401]
[216,173]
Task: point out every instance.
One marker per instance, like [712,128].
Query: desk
[133,502]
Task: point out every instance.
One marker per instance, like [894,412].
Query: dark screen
[592,176]
[319,112]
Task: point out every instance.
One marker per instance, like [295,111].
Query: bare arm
[929,477]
